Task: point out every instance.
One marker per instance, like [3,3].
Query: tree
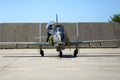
[115,18]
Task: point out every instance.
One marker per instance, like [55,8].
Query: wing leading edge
[20,43]
[92,41]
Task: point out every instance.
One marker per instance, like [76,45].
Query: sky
[67,10]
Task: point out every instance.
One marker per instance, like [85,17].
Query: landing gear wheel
[60,54]
[75,53]
[42,53]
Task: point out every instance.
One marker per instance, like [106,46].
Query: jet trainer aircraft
[59,39]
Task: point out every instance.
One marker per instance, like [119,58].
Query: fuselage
[59,37]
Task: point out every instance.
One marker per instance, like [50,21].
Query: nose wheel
[59,49]
[60,53]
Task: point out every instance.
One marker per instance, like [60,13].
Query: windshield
[60,28]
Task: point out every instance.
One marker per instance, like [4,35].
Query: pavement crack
[4,67]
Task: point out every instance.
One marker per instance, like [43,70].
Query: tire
[60,54]
[75,53]
[42,53]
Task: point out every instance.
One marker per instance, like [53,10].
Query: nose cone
[61,37]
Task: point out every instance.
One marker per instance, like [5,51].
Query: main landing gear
[41,51]
[76,51]
[59,49]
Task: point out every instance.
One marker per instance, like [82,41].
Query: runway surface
[91,64]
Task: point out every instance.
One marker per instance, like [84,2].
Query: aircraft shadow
[100,55]
[68,56]
[25,56]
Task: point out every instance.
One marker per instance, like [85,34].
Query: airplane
[59,40]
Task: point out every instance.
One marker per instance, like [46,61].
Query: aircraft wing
[92,41]
[29,43]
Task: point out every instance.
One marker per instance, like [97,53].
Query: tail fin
[56,19]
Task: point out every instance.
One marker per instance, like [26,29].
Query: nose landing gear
[60,53]
[59,49]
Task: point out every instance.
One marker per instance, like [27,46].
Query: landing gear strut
[41,51]
[76,51]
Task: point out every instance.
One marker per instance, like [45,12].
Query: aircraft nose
[61,37]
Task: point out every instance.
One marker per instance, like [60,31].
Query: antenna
[56,19]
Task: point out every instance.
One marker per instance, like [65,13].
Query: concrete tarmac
[91,64]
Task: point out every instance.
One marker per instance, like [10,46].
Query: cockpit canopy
[59,28]
[56,28]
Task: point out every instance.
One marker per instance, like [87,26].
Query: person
[49,28]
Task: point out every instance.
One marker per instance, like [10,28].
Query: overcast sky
[67,10]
